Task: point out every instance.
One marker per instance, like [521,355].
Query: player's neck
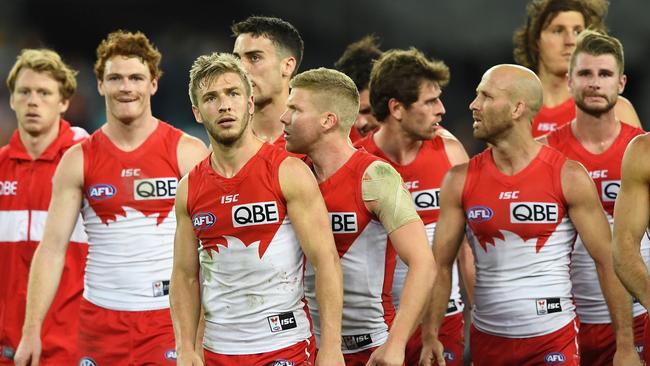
[35,145]
[128,136]
[515,150]
[396,144]
[329,155]
[555,87]
[596,133]
[266,120]
[228,160]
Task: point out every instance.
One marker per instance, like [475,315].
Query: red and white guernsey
[423,177]
[549,119]
[252,264]
[25,191]
[521,236]
[130,220]
[367,260]
[605,170]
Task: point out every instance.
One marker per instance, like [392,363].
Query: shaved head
[520,83]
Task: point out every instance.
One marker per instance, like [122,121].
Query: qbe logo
[533,213]
[101,191]
[203,220]
[477,214]
[282,322]
[610,190]
[344,222]
[428,199]
[258,213]
[554,358]
[154,188]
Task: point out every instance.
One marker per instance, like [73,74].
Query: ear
[288,66]
[395,109]
[329,121]
[100,87]
[197,114]
[64,106]
[154,86]
[622,80]
[519,110]
[11,102]
[251,105]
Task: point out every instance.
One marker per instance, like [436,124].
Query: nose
[441,110]
[473,106]
[570,37]
[360,122]
[225,105]
[32,98]
[284,118]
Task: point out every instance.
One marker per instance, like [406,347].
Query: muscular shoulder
[191,151]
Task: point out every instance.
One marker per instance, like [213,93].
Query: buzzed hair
[596,44]
[128,44]
[208,68]
[334,91]
[284,36]
[539,13]
[357,60]
[48,61]
[398,74]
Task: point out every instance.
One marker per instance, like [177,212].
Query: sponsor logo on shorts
[160,288]
[426,200]
[639,348]
[203,220]
[281,322]
[451,306]
[533,213]
[154,188]
[258,213]
[8,352]
[448,355]
[610,190]
[170,354]
[554,358]
[344,222]
[87,361]
[356,341]
[101,191]
[477,214]
[282,363]
[548,306]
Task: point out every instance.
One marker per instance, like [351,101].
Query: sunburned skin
[383,184]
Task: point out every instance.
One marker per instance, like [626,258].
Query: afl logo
[478,214]
[203,220]
[101,191]
[554,358]
[87,361]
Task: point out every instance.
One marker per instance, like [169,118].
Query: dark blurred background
[469,35]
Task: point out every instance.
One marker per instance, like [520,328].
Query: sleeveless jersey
[605,170]
[130,220]
[521,236]
[251,261]
[423,178]
[549,119]
[25,191]
[367,260]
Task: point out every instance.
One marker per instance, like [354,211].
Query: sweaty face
[37,102]
[595,83]
[420,120]
[557,40]
[490,110]
[301,121]
[224,108]
[263,64]
[127,88]
[365,121]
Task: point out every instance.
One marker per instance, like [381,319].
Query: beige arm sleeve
[382,186]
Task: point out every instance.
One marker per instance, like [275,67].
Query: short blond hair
[208,68]
[335,92]
[597,43]
[45,60]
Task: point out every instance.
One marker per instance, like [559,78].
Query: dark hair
[398,74]
[284,36]
[124,43]
[357,60]
[539,13]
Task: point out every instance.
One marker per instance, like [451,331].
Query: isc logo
[533,213]
[610,190]
[154,188]
[203,220]
[101,191]
[258,213]
[343,222]
[478,214]
[546,126]
[282,322]
[554,358]
[426,200]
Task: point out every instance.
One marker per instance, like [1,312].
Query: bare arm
[450,233]
[589,218]
[308,214]
[625,112]
[49,258]
[631,217]
[190,151]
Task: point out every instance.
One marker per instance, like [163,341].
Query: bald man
[521,204]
